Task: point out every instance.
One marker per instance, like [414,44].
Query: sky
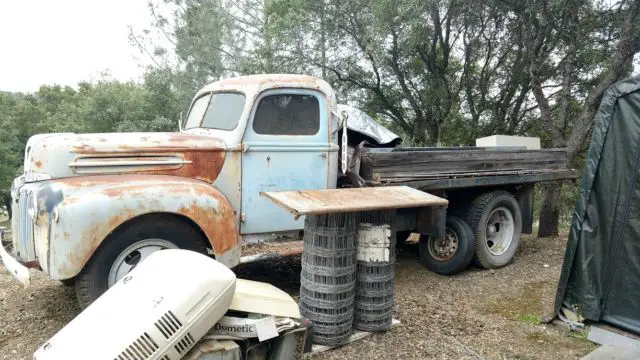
[67,41]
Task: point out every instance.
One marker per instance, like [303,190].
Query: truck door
[287,148]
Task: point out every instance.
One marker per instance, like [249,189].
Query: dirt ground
[478,314]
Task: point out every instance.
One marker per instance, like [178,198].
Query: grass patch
[581,335]
[530,319]
[523,305]
[540,337]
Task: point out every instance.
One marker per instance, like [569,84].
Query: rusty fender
[81,212]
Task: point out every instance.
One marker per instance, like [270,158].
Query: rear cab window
[287,114]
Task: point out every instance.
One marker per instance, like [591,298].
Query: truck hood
[51,156]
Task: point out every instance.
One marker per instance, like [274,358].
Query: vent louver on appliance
[159,311]
[141,349]
[185,344]
[168,324]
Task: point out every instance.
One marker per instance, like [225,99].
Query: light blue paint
[282,162]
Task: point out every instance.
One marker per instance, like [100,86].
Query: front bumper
[19,271]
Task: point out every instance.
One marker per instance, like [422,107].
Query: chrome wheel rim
[445,247]
[133,255]
[499,231]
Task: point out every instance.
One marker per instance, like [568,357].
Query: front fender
[83,211]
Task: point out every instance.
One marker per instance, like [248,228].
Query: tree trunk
[550,211]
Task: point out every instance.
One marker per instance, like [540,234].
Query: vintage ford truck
[89,207]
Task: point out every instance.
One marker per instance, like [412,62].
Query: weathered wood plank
[499,178]
[393,158]
[457,174]
[312,202]
[475,165]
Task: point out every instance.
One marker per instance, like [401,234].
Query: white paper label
[373,254]
[266,328]
[374,243]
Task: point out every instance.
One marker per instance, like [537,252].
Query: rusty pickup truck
[90,207]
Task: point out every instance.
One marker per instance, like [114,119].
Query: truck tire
[68,282]
[496,220]
[124,249]
[451,253]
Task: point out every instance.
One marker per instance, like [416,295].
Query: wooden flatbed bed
[452,168]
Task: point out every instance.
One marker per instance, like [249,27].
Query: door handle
[323,155]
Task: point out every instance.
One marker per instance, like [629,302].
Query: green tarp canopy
[600,277]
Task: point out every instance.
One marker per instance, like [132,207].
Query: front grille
[22,227]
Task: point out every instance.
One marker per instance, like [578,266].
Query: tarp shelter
[600,277]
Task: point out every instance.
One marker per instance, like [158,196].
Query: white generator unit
[529,143]
[158,311]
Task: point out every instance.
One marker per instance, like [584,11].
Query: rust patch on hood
[203,156]
[179,154]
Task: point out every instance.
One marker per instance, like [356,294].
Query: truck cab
[90,207]
[281,133]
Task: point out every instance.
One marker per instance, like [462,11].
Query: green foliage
[106,106]
[530,319]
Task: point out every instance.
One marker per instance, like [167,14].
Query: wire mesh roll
[373,320]
[326,300]
[332,333]
[375,271]
[375,279]
[384,302]
[328,276]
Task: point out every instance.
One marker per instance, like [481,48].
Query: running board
[271,251]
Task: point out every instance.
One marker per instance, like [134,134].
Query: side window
[287,114]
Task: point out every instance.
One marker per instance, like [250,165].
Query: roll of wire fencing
[328,276]
[375,278]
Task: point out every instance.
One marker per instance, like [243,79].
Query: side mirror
[344,146]
[180,122]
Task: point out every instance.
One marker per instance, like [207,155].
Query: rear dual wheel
[451,253]
[496,221]
[489,235]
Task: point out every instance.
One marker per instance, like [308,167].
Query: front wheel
[451,253]
[128,247]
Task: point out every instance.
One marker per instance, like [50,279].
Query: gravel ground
[478,314]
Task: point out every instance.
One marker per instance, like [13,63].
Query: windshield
[220,111]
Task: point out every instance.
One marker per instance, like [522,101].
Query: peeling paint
[91,208]
[179,154]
